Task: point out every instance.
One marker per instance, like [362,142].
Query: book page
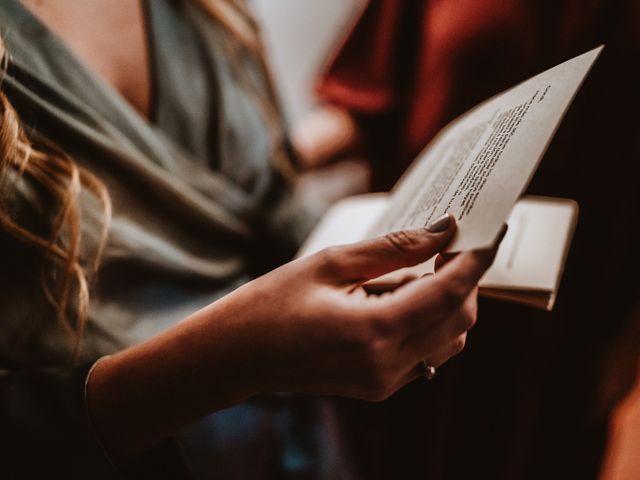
[531,256]
[347,221]
[527,268]
[479,165]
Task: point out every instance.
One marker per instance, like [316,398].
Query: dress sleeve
[45,428]
[47,433]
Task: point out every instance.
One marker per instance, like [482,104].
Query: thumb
[372,258]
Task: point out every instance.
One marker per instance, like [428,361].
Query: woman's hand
[305,327]
[315,330]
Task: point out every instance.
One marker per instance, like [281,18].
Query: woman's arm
[306,327]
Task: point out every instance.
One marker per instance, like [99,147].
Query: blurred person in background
[620,395]
[521,402]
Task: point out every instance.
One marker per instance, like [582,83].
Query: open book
[476,169]
[529,263]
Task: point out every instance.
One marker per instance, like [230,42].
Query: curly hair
[63,180]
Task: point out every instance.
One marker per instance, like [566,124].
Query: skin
[326,134]
[330,150]
[307,327]
[113,44]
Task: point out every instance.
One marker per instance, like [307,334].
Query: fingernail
[502,234]
[440,224]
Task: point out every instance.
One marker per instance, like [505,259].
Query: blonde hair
[68,290]
[63,180]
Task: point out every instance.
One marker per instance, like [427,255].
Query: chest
[109,36]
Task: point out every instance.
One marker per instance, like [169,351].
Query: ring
[427,371]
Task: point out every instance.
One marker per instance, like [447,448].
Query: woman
[145,146]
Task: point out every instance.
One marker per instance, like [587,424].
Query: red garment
[412,66]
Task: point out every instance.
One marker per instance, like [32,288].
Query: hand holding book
[476,169]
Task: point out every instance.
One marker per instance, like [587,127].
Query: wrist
[141,395]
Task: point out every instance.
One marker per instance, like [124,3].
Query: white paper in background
[299,36]
[347,221]
[532,254]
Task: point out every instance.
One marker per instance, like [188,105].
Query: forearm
[146,393]
[305,327]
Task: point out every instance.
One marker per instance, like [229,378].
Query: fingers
[461,274]
[371,259]
[432,336]
[442,259]
[441,294]
[446,351]
[430,300]
[439,344]
[427,318]
[457,275]
[434,359]
[435,344]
